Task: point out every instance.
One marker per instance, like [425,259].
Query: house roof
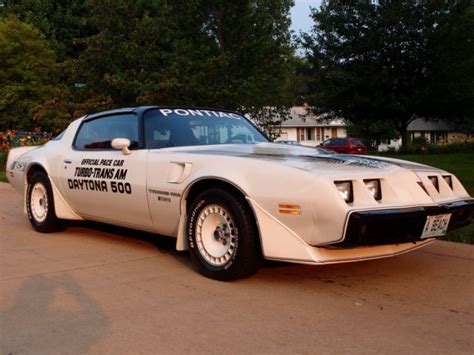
[301,117]
[420,124]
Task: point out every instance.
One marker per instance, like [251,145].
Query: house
[435,131]
[431,132]
[310,129]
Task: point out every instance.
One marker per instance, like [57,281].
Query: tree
[27,73]
[373,132]
[64,24]
[235,55]
[451,88]
[376,61]
[60,21]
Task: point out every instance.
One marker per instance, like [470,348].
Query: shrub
[419,141]
[3,159]
[458,147]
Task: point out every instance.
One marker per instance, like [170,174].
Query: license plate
[436,226]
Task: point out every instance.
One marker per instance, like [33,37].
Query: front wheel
[40,204]
[223,236]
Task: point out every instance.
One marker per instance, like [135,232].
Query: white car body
[291,190]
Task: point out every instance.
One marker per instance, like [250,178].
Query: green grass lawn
[461,165]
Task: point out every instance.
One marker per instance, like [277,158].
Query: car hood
[305,158]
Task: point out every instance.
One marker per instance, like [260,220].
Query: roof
[300,116]
[110,112]
[421,124]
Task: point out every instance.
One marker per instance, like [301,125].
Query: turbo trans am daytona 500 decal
[108,171]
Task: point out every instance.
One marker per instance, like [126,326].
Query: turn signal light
[289,209]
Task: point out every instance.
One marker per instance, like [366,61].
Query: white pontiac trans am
[213,181]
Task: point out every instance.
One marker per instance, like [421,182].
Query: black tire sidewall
[243,262]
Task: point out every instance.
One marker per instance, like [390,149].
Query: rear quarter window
[59,136]
[357,142]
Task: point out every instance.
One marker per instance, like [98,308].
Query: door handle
[68,161]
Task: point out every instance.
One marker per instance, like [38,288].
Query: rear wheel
[222,236]
[40,204]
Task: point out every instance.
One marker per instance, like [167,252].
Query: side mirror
[123,144]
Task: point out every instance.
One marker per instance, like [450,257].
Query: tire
[222,236]
[40,204]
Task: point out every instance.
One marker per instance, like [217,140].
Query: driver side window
[97,134]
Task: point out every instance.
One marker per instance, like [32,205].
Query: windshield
[179,127]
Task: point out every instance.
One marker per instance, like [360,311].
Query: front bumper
[281,243]
[397,226]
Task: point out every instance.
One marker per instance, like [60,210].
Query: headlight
[374,187]
[434,181]
[345,190]
[449,180]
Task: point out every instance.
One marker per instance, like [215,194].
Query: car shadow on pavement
[334,273]
[51,313]
[164,244]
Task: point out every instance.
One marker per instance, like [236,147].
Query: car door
[328,144]
[341,145]
[102,183]
[333,144]
[346,146]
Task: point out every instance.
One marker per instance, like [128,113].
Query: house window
[302,134]
[309,134]
[318,134]
[437,137]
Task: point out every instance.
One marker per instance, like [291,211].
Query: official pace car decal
[102,175]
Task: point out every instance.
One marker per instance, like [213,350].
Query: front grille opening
[389,229]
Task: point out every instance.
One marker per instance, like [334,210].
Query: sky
[300,20]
